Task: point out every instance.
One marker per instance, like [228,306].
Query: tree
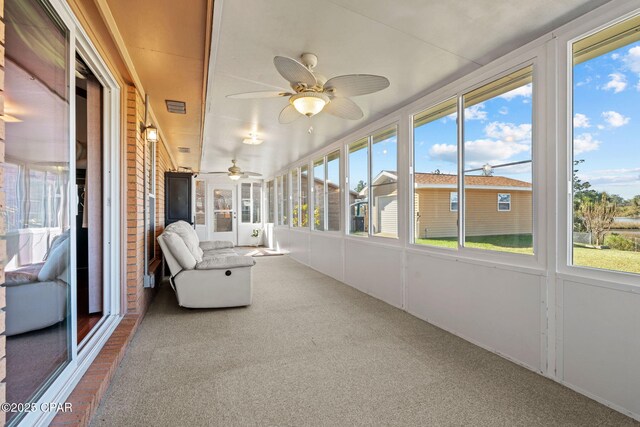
[360,186]
[597,217]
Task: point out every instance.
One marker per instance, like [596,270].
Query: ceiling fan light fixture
[234,177]
[253,140]
[309,103]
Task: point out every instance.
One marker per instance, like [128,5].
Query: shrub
[621,243]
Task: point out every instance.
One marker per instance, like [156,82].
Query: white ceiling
[417,44]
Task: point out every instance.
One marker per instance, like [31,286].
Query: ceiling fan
[313,93]
[234,172]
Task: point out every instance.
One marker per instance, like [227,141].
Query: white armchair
[205,274]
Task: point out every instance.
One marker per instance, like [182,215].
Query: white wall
[576,326]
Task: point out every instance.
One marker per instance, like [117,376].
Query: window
[304,196]
[251,202]
[384,183]
[283,207]
[453,201]
[373,193]
[326,178]
[605,150]
[333,203]
[319,195]
[357,180]
[150,183]
[295,198]
[281,201]
[504,202]
[256,207]
[435,177]
[497,127]
[200,202]
[271,202]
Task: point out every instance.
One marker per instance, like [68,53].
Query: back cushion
[179,250]
[56,262]
[189,236]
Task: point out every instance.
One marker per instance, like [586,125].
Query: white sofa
[37,293]
[205,274]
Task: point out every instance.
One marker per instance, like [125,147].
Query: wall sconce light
[151,133]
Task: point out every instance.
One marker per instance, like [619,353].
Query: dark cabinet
[178,197]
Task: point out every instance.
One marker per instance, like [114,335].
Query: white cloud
[581,121]
[525,91]
[618,82]
[504,110]
[615,119]
[508,131]
[638,86]
[632,59]
[584,82]
[615,56]
[446,152]
[490,151]
[475,112]
[584,143]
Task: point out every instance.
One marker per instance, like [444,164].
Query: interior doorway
[223,210]
[89,185]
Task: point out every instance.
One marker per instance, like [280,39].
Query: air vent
[176,107]
[184,150]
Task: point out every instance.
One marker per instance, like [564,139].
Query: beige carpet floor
[313,351]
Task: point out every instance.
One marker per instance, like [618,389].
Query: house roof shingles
[470,180]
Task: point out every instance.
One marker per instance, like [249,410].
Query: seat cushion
[179,250]
[188,234]
[225,261]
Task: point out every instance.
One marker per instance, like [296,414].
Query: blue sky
[607,121]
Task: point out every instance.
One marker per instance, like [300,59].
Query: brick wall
[3,248]
[138,297]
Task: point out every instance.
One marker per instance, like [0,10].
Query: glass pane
[222,200]
[295,198]
[256,195]
[435,180]
[37,172]
[285,200]
[318,195]
[245,202]
[200,202]
[358,177]
[271,200]
[606,125]
[304,196]
[222,221]
[497,153]
[333,191]
[223,213]
[281,201]
[384,183]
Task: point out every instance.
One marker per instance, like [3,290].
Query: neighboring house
[495,205]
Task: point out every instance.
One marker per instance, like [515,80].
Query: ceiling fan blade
[212,173]
[252,173]
[344,108]
[293,71]
[260,94]
[288,114]
[355,84]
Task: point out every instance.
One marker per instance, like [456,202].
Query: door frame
[67,377]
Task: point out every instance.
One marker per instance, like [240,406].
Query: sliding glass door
[37,173]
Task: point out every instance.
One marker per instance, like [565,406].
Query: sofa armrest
[223,262]
[215,244]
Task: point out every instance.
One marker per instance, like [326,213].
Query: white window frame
[251,203]
[565,267]
[509,202]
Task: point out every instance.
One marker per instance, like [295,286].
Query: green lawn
[607,259]
[516,243]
